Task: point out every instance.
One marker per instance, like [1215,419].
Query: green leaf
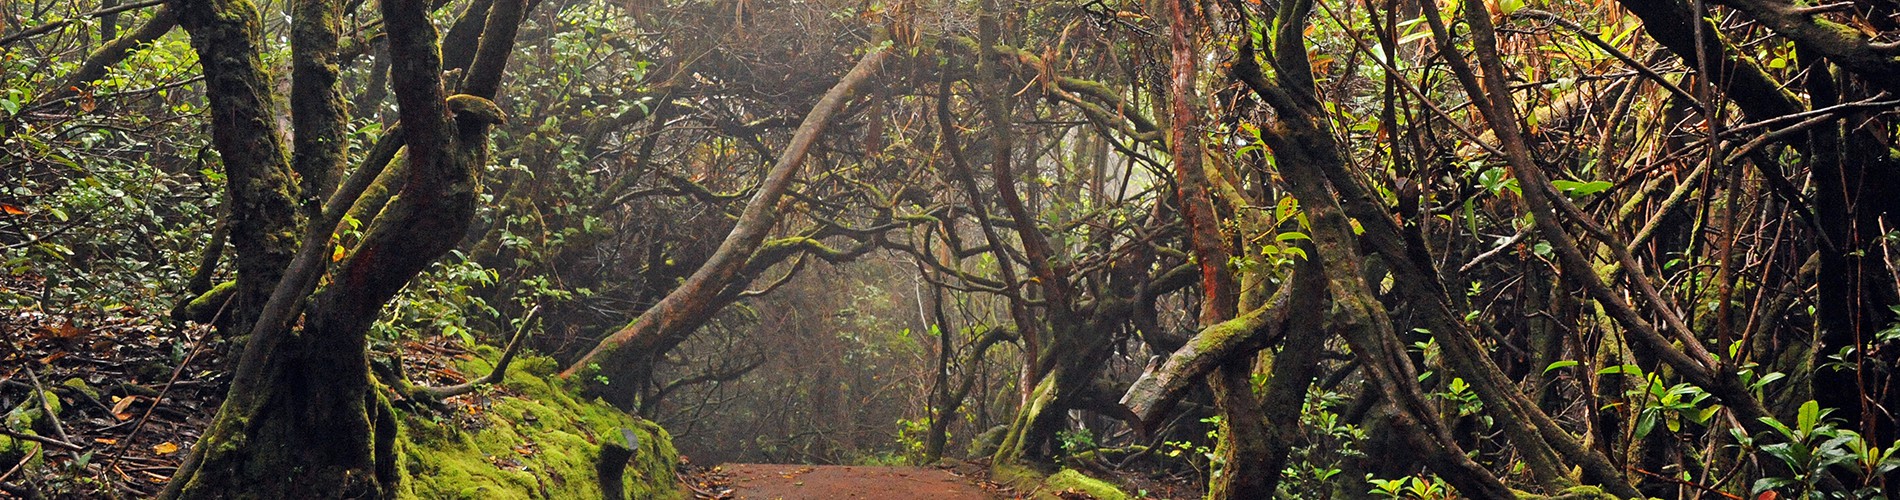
[1622,369]
[1808,416]
[1702,416]
[1560,364]
[1574,188]
[1765,379]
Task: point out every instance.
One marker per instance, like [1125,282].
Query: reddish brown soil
[829,482]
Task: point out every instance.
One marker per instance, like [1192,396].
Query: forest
[956,249]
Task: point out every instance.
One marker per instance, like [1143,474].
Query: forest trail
[827,482]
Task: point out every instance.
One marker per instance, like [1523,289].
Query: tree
[303,398]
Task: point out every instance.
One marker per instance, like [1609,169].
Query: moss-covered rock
[533,439]
[1070,479]
[1050,487]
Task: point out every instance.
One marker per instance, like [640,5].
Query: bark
[263,215]
[316,101]
[1672,24]
[1243,437]
[632,348]
[1302,146]
[301,419]
[1845,45]
[1294,368]
[1363,322]
[1851,308]
[1156,391]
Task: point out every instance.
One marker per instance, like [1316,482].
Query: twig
[126,442]
[47,406]
[44,28]
[18,466]
[41,439]
[1508,243]
[1691,484]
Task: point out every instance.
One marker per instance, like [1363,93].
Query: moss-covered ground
[1051,486]
[529,438]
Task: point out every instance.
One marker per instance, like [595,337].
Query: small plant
[1076,441]
[1202,458]
[1410,488]
[910,436]
[1326,444]
[1813,446]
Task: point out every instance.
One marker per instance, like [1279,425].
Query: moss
[12,450]
[1070,479]
[986,443]
[26,418]
[205,306]
[1051,487]
[79,385]
[1584,493]
[30,416]
[1571,493]
[536,439]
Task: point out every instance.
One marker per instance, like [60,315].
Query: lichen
[532,439]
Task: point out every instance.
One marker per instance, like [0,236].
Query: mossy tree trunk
[262,214]
[625,358]
[302,419]
[1243,433]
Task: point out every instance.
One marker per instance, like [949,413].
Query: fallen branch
[494,376]
[56,443]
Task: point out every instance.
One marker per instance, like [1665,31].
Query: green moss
[1584,493]
[1070,479]
[12,450]
[538,440]
[205,306]
[80,385]
[30,416]
[1571,493]
[1050,487]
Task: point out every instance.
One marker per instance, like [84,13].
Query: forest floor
[948,480]
[129,392]
[816,482]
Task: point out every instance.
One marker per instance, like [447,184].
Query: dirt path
[828,482]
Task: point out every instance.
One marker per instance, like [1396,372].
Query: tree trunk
[303,419]
[626,356]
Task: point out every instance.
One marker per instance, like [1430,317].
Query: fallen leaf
[105,441]
[165,448]
[11,209]
[118,408]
